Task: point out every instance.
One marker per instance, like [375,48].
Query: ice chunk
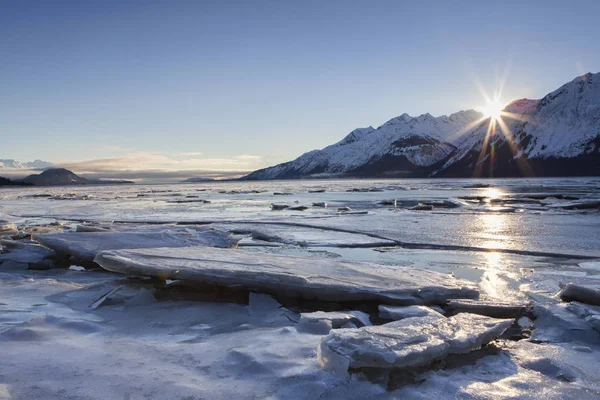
[7,227]
[92,228]
[560,323]
[494,309]
[422,207]
[338,318]
[591,314]
[85,245]
[593,265]
[401,312]
[525,323]
[25,252]
[584,294]
[583,205]
[298,208]
[410,342]
[309,278]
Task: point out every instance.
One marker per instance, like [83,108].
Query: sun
[493,109]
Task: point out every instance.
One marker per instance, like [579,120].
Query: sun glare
[492,109]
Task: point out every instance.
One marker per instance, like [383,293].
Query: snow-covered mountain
[403,146]
[558,135]
[37,164]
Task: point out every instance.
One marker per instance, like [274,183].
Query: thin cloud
[157,166]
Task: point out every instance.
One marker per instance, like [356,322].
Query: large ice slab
[86,245]
[310,278]
[411,342]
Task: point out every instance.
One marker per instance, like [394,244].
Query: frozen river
[514,240]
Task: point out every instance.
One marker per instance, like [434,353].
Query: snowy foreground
[302,290]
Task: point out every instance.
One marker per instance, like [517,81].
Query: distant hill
[62,176]
[8,182]
[558,135]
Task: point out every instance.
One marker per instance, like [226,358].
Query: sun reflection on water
[492,193]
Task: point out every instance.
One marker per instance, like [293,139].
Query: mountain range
[558,135]
[37,164]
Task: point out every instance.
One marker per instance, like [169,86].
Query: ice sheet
[85,246]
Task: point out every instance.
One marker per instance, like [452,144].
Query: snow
[14,164]
[411,342]
[290,276]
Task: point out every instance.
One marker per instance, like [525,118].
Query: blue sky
[237,85]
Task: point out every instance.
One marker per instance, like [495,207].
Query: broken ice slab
[422,207]
[494,309]
[85,245]
[338,318]
[401,312]
[562,323]
[307,278]
[583,205]
[320,322]
[411,342]
[24,254]
[315,237]
[583,294]
[263,234]
[591,314]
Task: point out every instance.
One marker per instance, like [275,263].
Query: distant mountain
[403,146]
[61,176]
[198,180]
[37,164]
[558,135]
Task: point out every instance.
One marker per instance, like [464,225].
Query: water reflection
[499,279]
[489,231]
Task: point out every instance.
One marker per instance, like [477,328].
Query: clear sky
[238,85]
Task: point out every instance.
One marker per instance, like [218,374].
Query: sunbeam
[494,111]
